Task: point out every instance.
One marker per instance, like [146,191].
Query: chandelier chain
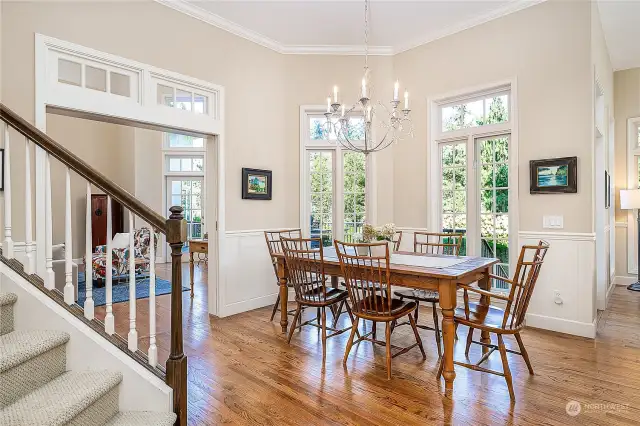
[366,33]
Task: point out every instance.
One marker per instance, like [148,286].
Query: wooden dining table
[443,279]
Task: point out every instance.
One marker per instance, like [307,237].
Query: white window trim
[633,150]
[436,136]
[306,145]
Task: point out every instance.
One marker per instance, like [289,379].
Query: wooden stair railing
[175,229]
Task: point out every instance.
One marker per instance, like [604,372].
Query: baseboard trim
[560,325]
[251,304]
[625,280]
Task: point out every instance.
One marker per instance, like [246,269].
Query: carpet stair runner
[36,389]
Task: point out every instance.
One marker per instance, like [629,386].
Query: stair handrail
[175,229]
[76,164]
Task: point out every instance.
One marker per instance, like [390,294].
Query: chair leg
[299,318]
[469,341]
[338,312]
[388,345]
[415,314]
[505,366]
[436,325]
[292,326]
[524,353]
[348,308]
[324,335]
[455,332]
[415,332]
[373,329]
[354,329]
[275,308]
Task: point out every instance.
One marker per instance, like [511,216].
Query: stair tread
[142,418]
[17,347]
[60,400]
[8,299]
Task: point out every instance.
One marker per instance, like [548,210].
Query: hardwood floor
[241,371]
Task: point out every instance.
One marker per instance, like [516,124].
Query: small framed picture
[256,184]
[554,176]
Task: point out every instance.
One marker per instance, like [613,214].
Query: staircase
[33,379]
[38,386]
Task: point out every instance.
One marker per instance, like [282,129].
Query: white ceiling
[337,26]
[621,25]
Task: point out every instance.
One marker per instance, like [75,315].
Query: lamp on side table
[630,200]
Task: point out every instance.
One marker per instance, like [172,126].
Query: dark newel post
[177,362]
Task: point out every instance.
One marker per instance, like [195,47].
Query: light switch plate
[553,222]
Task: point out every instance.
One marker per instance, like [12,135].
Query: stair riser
[100,411]
[6,319]
[30,375]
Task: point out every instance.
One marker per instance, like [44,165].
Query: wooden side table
[196,246]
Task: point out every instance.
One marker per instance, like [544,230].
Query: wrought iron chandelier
[356,135]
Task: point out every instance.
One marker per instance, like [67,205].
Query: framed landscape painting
[256,184]
[554,176]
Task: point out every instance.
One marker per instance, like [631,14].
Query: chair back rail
[396,240]
[437,242]
[524,281]
[109,263]
[305,265]
[275,246]
[367,276]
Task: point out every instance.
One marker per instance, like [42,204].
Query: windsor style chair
[274,245]
[397,239]
[367,277]
[305,264]
[510,320]
[430,243]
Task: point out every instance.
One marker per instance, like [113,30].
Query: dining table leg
[284,296]
[447,290]
[485,284]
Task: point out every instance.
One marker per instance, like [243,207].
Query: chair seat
[332,295]
[372,305]
[481,316]
[419,294]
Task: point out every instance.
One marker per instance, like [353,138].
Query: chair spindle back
[523,282]
[274,245]
[437,242]
[367,276]
[397,238]
[306,268]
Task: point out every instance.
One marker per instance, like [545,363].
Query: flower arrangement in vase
[372,233]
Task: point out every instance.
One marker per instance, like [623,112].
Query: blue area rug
[120,290]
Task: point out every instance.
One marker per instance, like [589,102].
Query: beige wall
[627,105]
[547,48]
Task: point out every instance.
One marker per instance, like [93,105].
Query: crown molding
[218,21]
[511,7]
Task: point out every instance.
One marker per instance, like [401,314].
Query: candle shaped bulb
[329,104]
[369,113]
[343,110]
[406,100]
[364,88]
[395,91]
[335,94]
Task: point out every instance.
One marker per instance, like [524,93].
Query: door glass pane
[69,72]
[321,191]
[354,194]
[187,192]
[494,202]
[165,95]
[200,103]
[454,189]
[120,84]
[183,100]
[95,78]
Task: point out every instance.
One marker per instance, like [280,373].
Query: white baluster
[109,322]
[7,246]
[153,349]
[69,294]
[133,333]
[30,262]
[88,260]
[50,278]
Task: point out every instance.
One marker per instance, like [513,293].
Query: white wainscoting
[569,268]
[250,282]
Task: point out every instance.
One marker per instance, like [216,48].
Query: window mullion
[338,199]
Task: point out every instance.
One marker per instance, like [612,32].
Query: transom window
[475,112]
[184,98]
[334,182]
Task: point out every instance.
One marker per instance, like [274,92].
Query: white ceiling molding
[201,14]
[511,7]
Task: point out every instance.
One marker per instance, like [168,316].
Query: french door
[475,194]
[188,191]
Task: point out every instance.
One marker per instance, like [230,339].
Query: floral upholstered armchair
[120,257]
